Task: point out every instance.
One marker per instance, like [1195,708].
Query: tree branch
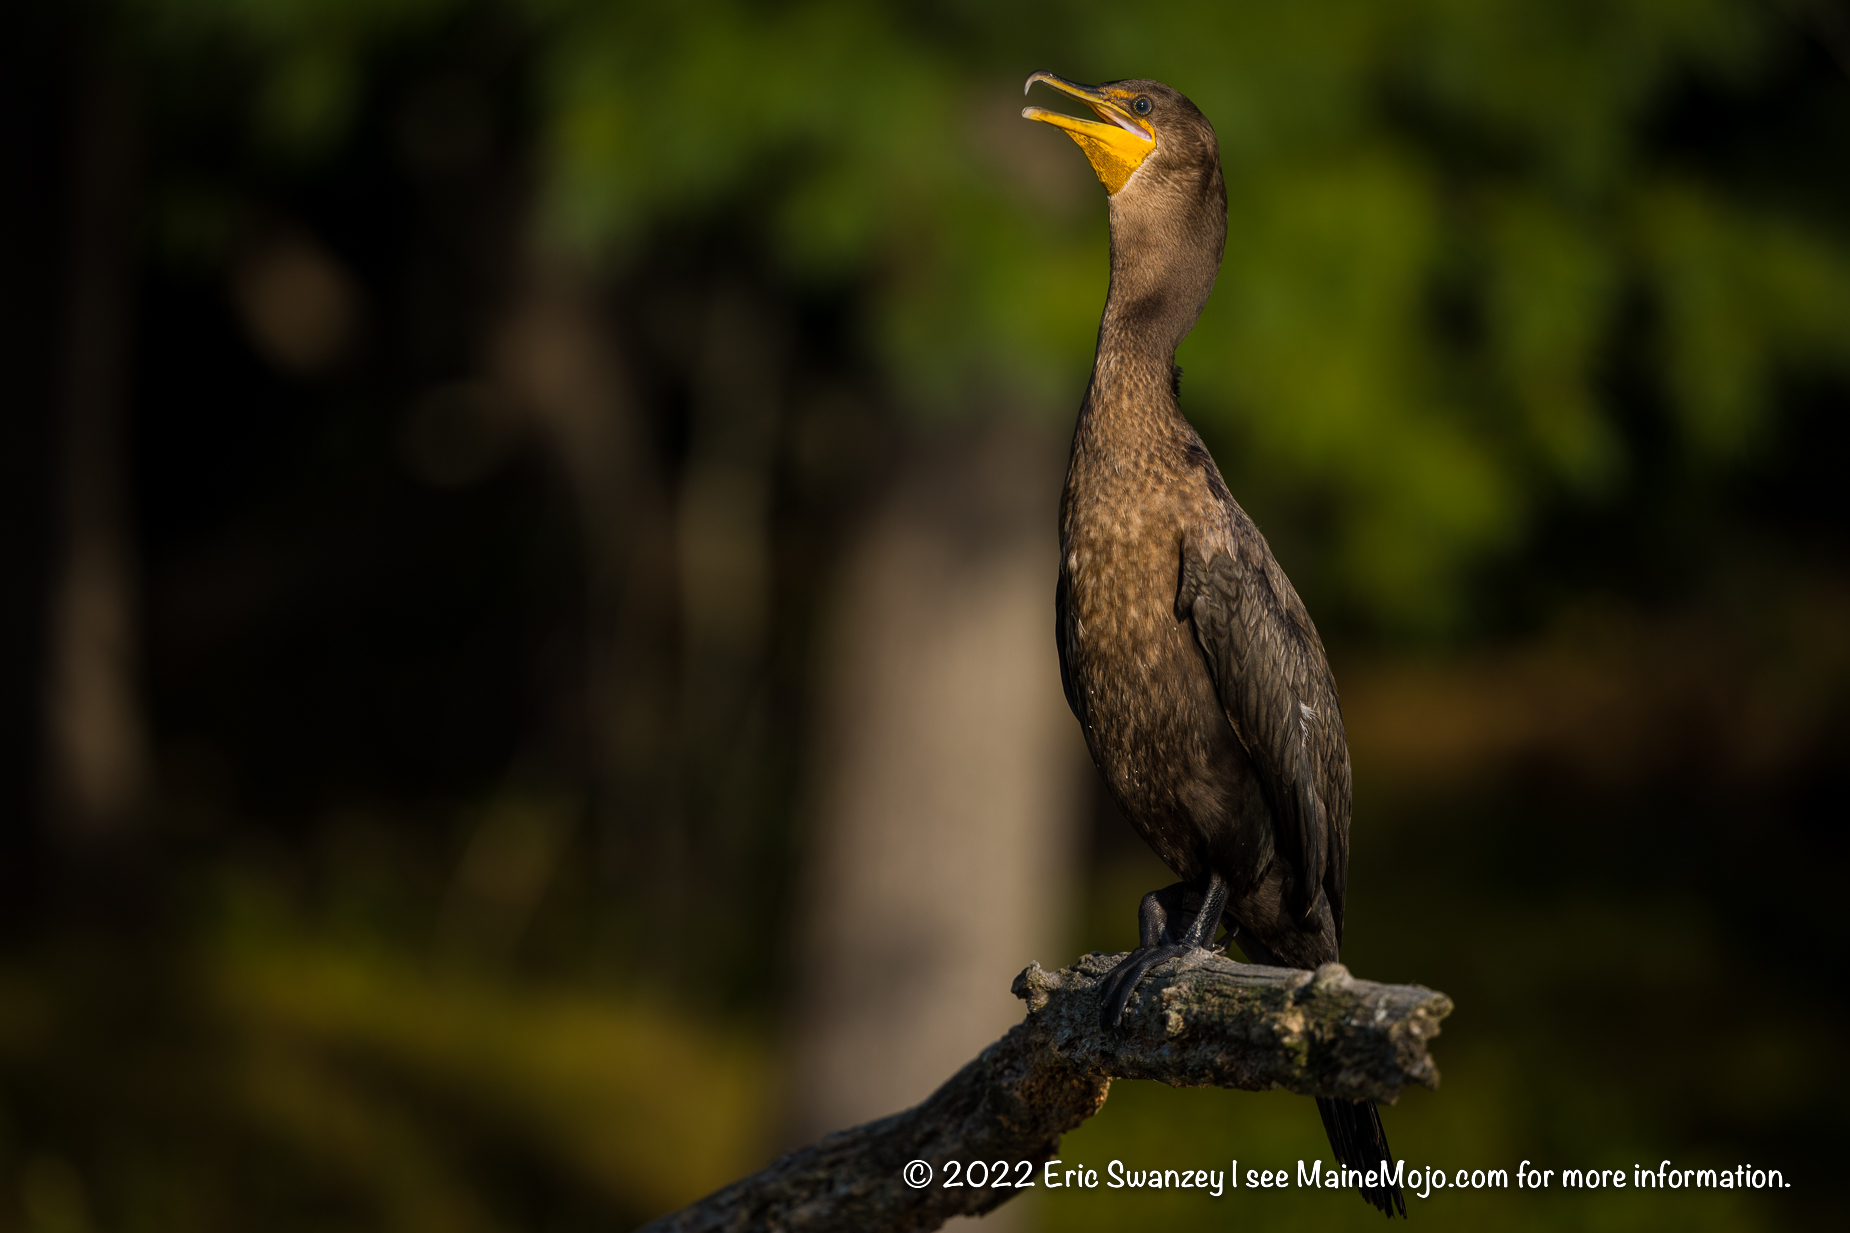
[1196,1021]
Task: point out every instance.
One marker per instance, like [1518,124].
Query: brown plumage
[1187,656]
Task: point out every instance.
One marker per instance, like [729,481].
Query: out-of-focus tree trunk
[679,590]
[947,783]
[558,355]
[723,544]
[34,92]
[96,745]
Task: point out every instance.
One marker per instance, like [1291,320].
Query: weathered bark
[1198,1021]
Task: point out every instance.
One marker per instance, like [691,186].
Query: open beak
[1115,144]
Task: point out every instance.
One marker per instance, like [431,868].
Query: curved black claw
[1122,981]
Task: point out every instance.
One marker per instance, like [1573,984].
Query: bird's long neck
[1162,270]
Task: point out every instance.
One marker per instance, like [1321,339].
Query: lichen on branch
[1196,1021]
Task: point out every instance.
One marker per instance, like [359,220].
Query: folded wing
[1276,688]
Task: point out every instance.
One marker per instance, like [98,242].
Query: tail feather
[1356,1136]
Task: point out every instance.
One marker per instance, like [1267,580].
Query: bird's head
[1145,131]
[1158,159]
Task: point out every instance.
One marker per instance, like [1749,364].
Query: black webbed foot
[1122,981]
[1158,940]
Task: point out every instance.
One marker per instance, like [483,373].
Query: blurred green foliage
[1451,226]
[279,1073]
[308,57]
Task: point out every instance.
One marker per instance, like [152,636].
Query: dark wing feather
[1063,642]
[1276,688]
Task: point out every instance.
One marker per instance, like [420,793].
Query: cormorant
[1189,660]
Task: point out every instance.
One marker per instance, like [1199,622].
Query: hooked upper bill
[1116,143]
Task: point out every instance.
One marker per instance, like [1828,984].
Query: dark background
[442,438]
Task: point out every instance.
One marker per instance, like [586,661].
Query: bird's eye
[1141,106]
